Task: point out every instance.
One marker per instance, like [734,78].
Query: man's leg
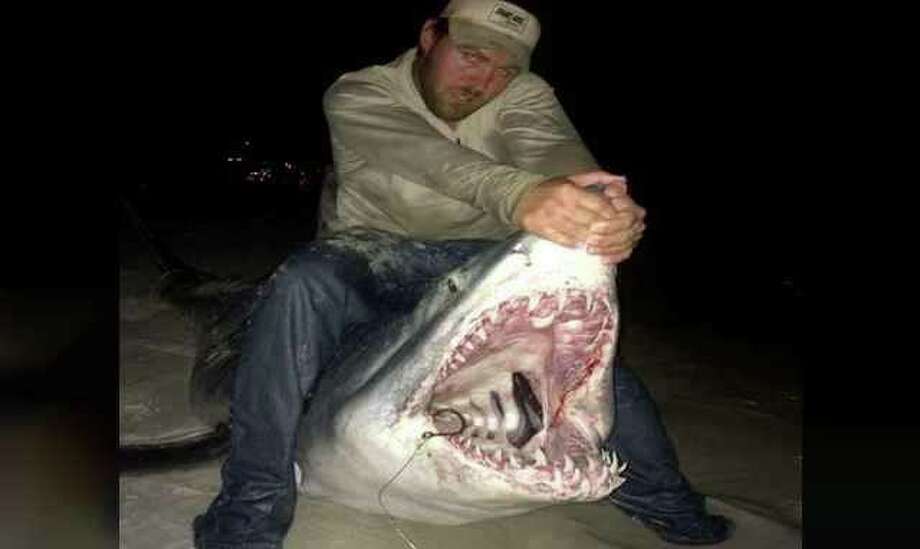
[655,491]
[302,312]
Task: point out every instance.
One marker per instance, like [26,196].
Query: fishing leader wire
[426,436]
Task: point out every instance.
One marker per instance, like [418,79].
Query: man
[449,148]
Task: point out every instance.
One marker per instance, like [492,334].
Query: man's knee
[321,277]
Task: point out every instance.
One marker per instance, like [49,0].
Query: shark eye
[451,285]
[522,249]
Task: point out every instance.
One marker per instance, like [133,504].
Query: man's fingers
[612,248]
[594,204]
[623,202]
[582,217]
[623,222]
[564,213]
[560,237]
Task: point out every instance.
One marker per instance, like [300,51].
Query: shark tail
[218,309]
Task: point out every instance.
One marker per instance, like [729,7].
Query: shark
[492,397]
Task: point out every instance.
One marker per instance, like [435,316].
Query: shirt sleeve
[364,118]
[537,132]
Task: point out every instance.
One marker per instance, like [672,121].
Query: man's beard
[451,105]
[454,105]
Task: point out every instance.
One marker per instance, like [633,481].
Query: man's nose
[484,78]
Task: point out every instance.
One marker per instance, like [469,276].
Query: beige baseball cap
[495,25]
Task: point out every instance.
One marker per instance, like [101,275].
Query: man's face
[456,80]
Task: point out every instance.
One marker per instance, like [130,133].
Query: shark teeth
[583,477]
[590,302]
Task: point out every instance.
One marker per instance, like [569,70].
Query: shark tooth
[533,304]
[574,325]
[594,464]
[567,465]
[605,455]
[576,477]
[604,476]
[515,461]
[540,322]
[497,456]
[584,486]
[540,456]
[477,452]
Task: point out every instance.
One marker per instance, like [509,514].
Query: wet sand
[731,405]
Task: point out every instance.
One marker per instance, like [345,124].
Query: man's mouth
[513,383]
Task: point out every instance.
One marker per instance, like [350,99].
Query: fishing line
[426,436]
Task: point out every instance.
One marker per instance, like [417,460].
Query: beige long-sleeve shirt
[399,168]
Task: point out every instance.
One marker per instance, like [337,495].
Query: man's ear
[428,37]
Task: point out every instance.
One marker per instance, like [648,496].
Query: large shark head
[492,398]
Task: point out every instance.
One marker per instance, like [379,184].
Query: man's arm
[541,138]
[537,132]
[363,115]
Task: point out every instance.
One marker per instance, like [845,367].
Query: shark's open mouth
[516,379]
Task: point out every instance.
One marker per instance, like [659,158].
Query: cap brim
[464,32]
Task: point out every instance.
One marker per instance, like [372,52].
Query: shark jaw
[519,392]
[508,363]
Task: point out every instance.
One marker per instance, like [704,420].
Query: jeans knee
[318,277]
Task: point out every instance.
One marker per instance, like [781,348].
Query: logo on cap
[502,15]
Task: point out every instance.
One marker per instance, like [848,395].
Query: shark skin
[492,398]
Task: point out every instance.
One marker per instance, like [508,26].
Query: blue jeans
[303,312]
